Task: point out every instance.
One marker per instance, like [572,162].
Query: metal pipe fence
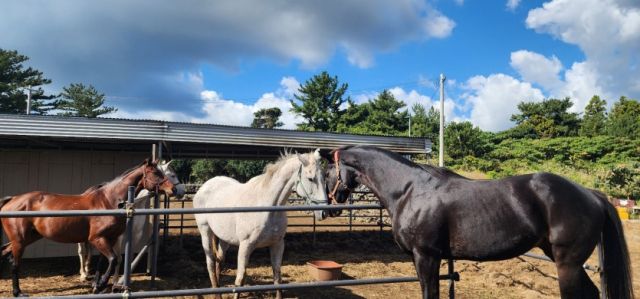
[129,212]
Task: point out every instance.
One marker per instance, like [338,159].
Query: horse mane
[439,172]
[271,168]
[119,177]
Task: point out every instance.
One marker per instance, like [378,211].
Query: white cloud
[608,32]
[494,99]
[581,83]
[438,25]
[536,68]
[289,86]
[217,110]
[413,97]
[512,4]
[134,49]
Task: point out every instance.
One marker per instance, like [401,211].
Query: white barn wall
[69,172]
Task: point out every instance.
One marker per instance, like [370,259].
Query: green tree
[595,117]
[267,118]
[182,168]
[385,116]
[320,100]
[353,116]
[79,100]
[423,123]
[204,169]
[624,119]
[549,118]
[14,82]
[463,139]
[243,170]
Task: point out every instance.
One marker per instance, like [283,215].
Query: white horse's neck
[280,185]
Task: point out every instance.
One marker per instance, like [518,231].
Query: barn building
[69,154]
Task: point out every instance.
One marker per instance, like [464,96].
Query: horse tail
[616,262]
[4,200]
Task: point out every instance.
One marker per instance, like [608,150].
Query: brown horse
[101,231]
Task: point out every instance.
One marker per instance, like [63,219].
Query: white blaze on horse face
[173,178]
[311,182]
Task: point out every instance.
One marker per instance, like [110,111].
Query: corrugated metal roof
[96,129]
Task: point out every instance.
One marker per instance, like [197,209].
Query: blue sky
[220,61]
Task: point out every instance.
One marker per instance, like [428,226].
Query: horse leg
[117,249]
[276,252]
[244,251]
[428,269]
[574,281]
[208,240]
[84,252]
[16,250]
[107,251]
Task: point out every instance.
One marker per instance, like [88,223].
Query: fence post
[452,286]
[181,223]
[156,240]
[127,240]
[166,219]
[381,222]
[350,213]
[314,230]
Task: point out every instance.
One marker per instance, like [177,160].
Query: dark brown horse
[101,231]
[437,214]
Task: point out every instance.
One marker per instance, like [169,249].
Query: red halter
[336,161]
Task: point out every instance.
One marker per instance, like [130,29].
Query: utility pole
[441,154]
[29,100]
[409,124]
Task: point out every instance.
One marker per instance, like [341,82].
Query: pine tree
[79,100]
[595,117]
[624,119]
[267,118]
[425,124]
[320,100]
[549,118]
[385,116]
[14,83]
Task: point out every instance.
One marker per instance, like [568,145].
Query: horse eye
[310,179]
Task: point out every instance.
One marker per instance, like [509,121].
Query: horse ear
[146,161]
[316,154]
[325,153]
[302,160]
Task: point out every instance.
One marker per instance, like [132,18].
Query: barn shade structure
[69,154]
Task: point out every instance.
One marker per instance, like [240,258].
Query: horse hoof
[21,294]
[117,288]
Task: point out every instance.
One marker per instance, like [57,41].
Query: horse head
[340,182]
[153,177]
[165,167]
[310,181]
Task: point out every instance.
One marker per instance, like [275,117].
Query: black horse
[437,214]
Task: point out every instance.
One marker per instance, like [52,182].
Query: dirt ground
[364,253]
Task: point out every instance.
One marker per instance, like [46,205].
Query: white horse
[249,231]
[142,228]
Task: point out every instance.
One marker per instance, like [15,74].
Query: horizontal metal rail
[177,211]
[256,288]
